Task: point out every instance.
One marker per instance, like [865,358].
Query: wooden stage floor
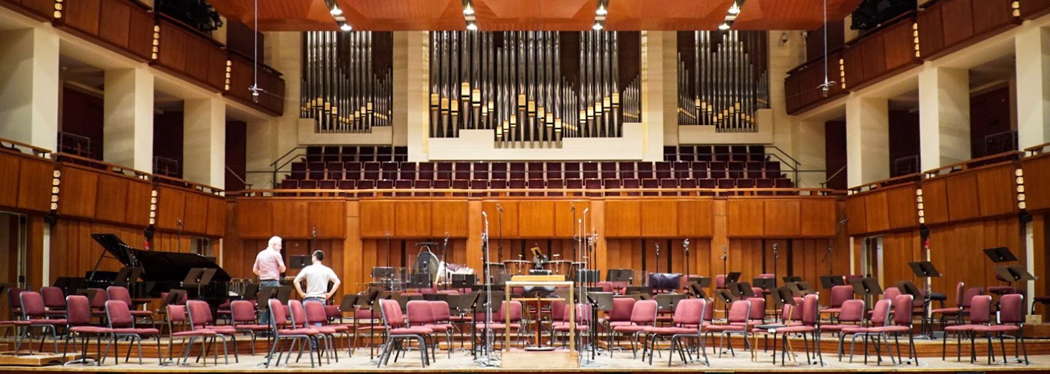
[621,362]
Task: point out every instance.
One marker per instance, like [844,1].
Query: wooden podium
[553,281]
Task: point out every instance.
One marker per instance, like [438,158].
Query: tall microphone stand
[685,248]
[486,358]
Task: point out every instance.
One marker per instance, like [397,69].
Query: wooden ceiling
[392,15]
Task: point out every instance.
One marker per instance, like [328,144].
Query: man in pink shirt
[268,267]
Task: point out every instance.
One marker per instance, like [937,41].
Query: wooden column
[720,239]
[601,254]
[354,273]
[474,228]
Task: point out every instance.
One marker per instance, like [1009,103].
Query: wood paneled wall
[190,54]
[124,24]
[1037,182]
[781,217]
[956,250]
[27,182]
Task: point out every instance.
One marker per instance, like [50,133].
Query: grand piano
[150,273]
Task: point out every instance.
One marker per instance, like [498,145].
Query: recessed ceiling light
[724,26]
[346,27]
[472,26]
[597,26]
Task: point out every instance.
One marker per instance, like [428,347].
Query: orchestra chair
[35,315]
[851,314]
[758,310]
[398,331]
[583,323]
[810,326]
[901,323]
[643,314]
[317,318]
[15,302]
[98,299]
[441,320]
[244,320]
[1011,321]
[297,319]
[687,322]
[790,315]
[839,295]
[620,315]
[962,308]
[199,315]
[279,328]
[178,327]
[54,301]
[122,326]
[78,322]
[499,321]
[122,294]
[980,315]
[364,322]
[880,315]
[738,322]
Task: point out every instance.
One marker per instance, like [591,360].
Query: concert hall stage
[561,361]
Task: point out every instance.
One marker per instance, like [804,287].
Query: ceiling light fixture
[735,9]
[601,11]
[472,26]
[345,27]
[335,10]
[468,10]
[597,26]
[724,26]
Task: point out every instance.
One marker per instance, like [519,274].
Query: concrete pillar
[1032,52]
[783,56]
[808,148]
[659,90]
[30,89]
[944,116]
[128,118]
[867,139]
[204,137]
[412,93]
[283,51]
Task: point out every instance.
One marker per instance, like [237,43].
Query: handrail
[1036,149]
[203,188]
[973,163]
[898,180]
[581,192]
[238,177]
[102,165]
[833,176]
[15,145]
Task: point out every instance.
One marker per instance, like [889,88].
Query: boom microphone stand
[486,358]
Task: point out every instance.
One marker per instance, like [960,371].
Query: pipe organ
[722,78]
[347,82]
[533,86]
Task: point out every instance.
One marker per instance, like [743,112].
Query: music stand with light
[829,281]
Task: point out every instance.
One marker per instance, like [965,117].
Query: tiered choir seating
[368,167]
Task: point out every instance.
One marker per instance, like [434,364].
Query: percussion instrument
[561,267]
[517,267]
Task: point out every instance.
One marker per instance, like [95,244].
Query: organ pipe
[342,88]
[513,83]
[723,79]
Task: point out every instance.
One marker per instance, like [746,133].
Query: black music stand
[1000,254]
[420,280]
[668,301]
[873,286]
[791,279]
[463,280]
[193,277]
[643,290]
[829,281]
[620,275]
[766,284]
[1014,273]
[800,288]
[283,292]
[726,297]
[740,290]
[700,281]
[732,277]
[603,300]
[696,290]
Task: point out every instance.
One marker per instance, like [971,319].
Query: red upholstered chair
[880,314]
[398,330]
[980,315]
[122,325]
[687,322]
[513,309]
[839,295]
[441,320]
[901,323]
[738,322]
[243,318]
[851,314]
[34,314]
[78,321]
[54,301]
[1011,321]
[582,321]
[643,314]
[178,327]
[199,315]
[122,294]
[620,315]
[810,325]
[758,309]
[279,328]
[316,317]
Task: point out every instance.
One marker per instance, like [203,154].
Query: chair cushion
[418,330]
[966,327]
[564,326]
[795,329]
[889,329]
[996,328]
[137,331]
[328,330]
[497,325]
[620,323]
[670,330]
[252,327]
[946,310]
[197,332]
[855,330]
[224,329]
[630,328]
[831,310]
[439,327]
[836,327]
[14,323]
[89,329]
[60,321]
[138,313]
[308,332]
[725,328]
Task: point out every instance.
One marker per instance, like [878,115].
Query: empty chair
[772,166]
[54,301]
[398,330]
[738,321]
[348,153]
[298,170]
[681,170]
[574,184]
[460,185]
[663,170]
[669,185]
[535,170]
[516,171]
[536,187]
[331,153]
[351,170]
[631,184]
[651,185]
[726,183]
[407,171]
[555,184]
[334,170]
[745,183]
[590,170]
[79,322]
[34,315]
[687,184]
[308,185]
[371,170]
[326,184]
[122,325]
[670,153]
[612,184]
[593,187]
[289,184]
[425,171]
[572,170]
[498,171]
[462,171]
[282,329]
[626,170]
[388,170]
[645,170]
[516,184]
[384,153]
[478,187]
[347,184]
[243,318]
[1011,321]
[314,153]
[122,294]
[608,170]
[686,153]
[443,170]
[687,324]
[643,316]
[481,171]
[404,187]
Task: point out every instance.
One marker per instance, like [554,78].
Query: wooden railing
[938,28]
[131,28]
[549,192]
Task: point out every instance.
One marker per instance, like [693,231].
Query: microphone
[776,253]
[685,245]
[725,253]
[657,250]
[313,232]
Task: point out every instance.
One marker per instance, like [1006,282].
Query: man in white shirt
[317,277]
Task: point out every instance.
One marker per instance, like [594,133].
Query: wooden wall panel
[377,218]
[78,192]
[818,217]
[878,214]
[9,170]
[745,218]
[254,218]
[138,203]
[412,219]
[956,250]
[565,224]
[140,37]
[898,249]
[195,214]
[291,219]
[171,208]
[112,202]
[328,218]
[450,218]
[116,15]
[898,41]
[216,225]
[1037,182]
[995,186]
[659,219]
[856,214]
[536,219]
[696,218]
[508,221]
[84,16]
[935,200]
[623,218]
[782,218]
[931,35]
[957,16]
[900,203]
[962,195]
[34,181]
[991,14]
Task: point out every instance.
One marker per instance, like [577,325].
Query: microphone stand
[685,247]
[499,220]
[486,359]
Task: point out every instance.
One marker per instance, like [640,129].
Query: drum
[561,267]
[517,267]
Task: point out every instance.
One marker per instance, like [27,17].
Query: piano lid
[158,265]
